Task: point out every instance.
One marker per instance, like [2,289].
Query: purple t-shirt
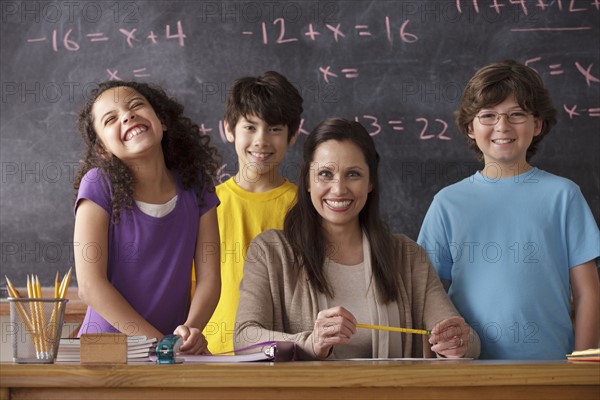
[149,258]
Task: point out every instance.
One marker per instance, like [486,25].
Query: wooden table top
[313,374]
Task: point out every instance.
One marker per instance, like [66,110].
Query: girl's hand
[333,326]
[194,341]
[450,338]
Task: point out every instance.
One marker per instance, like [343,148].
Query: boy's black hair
[269,96]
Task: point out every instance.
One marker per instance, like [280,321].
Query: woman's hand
[450,338]
[333,326]
[194,341]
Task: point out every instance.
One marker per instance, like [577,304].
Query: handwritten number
[423,136]
[281,39]
[374,124]
[441,135]
[179,35]
[407,37]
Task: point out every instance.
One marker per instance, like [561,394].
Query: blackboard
[396,66]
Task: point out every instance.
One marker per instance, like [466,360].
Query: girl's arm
[586,299]
[91,263]
[207,262]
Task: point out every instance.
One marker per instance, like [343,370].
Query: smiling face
[339,184]
[504,145]
[126,123]
[260,148]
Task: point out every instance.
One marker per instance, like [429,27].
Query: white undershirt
[350,291]
[157,210]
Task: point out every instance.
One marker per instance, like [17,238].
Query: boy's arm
[586,298]
[91,233]
[207,261]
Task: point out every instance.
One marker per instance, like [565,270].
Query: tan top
[277,302]
[349,286]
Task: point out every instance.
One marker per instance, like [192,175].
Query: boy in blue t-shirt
[514,244]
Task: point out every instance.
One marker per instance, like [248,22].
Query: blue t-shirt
[507,246]
[149,258]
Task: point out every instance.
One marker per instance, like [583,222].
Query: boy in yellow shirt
[262,119]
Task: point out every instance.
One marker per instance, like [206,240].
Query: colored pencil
[394,329]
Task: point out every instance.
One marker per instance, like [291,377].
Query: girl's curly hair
[185,149]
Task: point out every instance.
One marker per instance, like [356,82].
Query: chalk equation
[338,32]
[537,64]
[276,31]
[348,73]
[131,37]
[428,128]
[573,111]
[421,127]
[571,6]
[137,73]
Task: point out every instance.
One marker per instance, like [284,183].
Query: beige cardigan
[277,302]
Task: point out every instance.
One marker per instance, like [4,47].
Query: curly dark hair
[492,84]
[185,149]
[302,225]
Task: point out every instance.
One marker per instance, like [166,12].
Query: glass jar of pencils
[36,327]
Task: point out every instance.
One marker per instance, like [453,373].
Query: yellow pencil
[35,320]
[52,324]
[58,289]
[12,290]
[56,285]
[42,317]
[64,285]
[394,329]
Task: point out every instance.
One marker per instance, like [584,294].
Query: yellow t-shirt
[242,215]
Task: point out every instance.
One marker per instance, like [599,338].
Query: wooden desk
[305,380]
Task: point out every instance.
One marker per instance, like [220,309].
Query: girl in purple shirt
[145,210]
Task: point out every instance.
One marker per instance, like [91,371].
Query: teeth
[503,141]
[338,204]
[134,132]
[260,155]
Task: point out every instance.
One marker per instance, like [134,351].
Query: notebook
[139,348]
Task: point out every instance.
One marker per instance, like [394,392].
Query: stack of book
[139,348]
[590,355]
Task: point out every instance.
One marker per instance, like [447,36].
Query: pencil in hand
[395,329]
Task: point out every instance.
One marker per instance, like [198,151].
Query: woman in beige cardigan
[335,264]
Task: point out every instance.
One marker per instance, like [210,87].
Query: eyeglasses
[492,117]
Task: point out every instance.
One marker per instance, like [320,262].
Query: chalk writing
[338,32]
[556,69]
[130,37]
[349,73]
[574,112]
[543,5]
[137,73]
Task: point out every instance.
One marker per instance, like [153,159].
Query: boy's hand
[194,341]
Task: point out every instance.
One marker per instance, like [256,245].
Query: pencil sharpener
[167,348]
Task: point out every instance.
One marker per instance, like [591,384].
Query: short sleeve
[433,239]
[95,187]
[209,198]
[583,237]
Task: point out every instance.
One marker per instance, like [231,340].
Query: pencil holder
[36,327]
